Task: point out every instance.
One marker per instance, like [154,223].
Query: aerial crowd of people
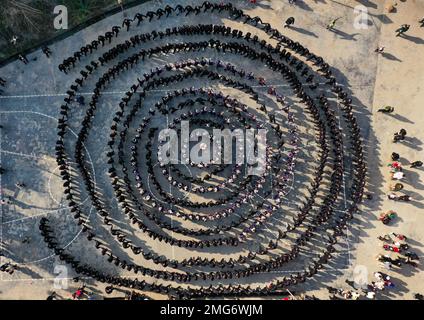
[135,180]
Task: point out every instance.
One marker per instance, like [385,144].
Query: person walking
[332,24]
[115,30]
[403,28]
[386,109]
[126,23]
[416,164]
[398,136]
[379,49]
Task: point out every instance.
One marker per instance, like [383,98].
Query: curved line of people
[336,138]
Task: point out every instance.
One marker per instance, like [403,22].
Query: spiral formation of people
[215,149]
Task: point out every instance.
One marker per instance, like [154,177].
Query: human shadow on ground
[413,143]
[413,39]
[344,35]
[304,31]
[400,118]
[390,56]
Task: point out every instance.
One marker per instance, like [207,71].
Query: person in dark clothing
[289,22]
[47,51]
